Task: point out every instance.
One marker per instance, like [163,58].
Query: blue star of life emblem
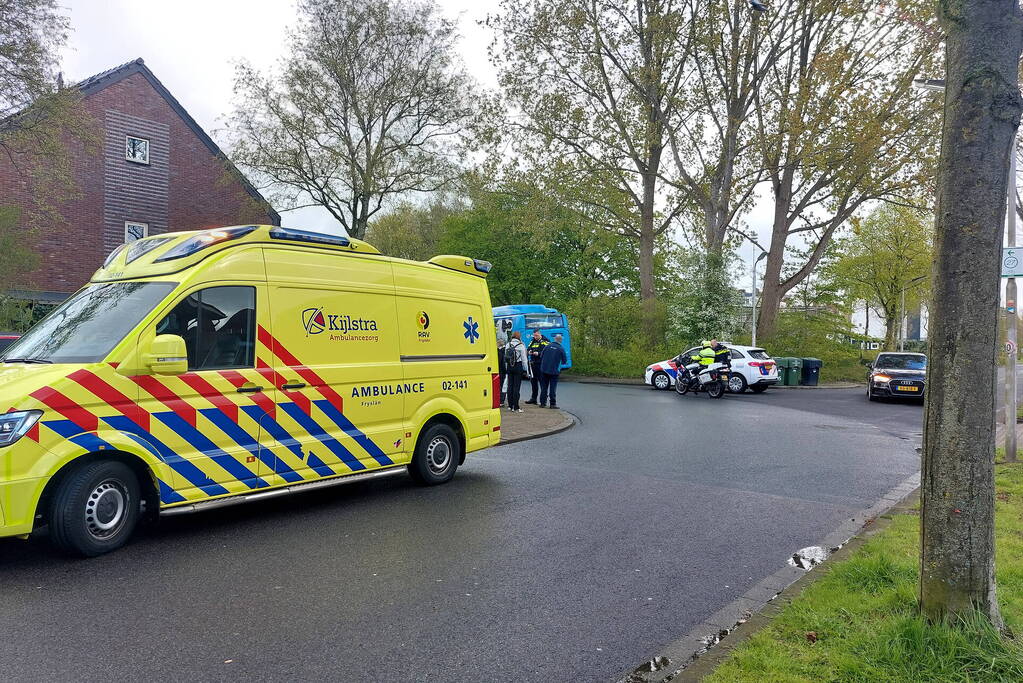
[472,330]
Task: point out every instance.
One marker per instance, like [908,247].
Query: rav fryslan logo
[423,323]
[315,322]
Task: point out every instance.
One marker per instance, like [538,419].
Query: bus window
[543,321]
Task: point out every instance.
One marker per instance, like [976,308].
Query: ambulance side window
[218,325]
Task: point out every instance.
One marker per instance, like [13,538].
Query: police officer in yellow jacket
[700,359]
[534,351]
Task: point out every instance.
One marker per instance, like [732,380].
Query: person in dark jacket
[534,350]
[722,354]
[551,360]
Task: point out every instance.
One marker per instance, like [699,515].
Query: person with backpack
[516,364]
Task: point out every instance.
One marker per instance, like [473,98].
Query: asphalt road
[568,558]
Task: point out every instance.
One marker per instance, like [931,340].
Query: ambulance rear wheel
[437,455]
[95,508]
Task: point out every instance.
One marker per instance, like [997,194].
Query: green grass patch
[863,613]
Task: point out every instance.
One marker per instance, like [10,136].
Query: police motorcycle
[711,378]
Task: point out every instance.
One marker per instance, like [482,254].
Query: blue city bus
[525,318]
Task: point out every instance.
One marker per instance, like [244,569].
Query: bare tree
[594,87]
[840,124]
[984,39]
[367,106]
[713,146]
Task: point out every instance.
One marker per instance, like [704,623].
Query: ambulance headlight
[205,239]
[13,426]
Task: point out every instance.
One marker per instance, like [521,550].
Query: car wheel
[870,394]
[436,457]
[95,508]
[660,380]
[736,383]
[759,388]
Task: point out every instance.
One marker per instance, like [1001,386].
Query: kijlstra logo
[315,322]
[312,320]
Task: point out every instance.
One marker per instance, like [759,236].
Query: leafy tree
[366,106]
[702,302]
[840,124]
[38,121]
[983,42]
[542,253]
[889,253]
[410,231]
[595,86]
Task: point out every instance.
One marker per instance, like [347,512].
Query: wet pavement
[573,557]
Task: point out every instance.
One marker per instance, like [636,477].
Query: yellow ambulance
[203,369]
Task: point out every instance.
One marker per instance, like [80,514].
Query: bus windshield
[543,321]
[87,326]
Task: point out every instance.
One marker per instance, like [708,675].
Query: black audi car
[898,375]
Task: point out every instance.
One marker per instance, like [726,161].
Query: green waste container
[794,372]
[784,365]
[811,372]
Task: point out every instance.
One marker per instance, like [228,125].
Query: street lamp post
[763,253]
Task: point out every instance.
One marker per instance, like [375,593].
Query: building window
[136,149]
[135,231]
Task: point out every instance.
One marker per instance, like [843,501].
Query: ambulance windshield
[87,326]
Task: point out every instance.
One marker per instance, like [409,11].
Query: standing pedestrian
[553,358]
[502,369]
[517,366]
[535,350]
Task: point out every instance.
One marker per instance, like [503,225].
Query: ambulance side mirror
[167,355]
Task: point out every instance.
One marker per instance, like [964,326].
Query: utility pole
[753,342]
[1010,318]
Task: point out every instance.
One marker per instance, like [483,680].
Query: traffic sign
[1012,262]
[1010,348]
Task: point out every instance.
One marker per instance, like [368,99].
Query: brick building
[155,171]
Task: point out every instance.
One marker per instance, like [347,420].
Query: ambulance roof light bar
[205,239]
[294,235]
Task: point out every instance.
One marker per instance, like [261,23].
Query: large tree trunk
[891,328]
[772,293]
[982,108]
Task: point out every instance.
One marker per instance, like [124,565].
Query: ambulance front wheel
[437,455]
[95,508]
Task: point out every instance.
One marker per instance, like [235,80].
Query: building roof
[137,66]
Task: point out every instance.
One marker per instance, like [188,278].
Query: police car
[752,368]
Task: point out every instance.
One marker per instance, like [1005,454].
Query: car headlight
[13,426]
[881,378]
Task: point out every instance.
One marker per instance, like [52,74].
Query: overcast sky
[191,44]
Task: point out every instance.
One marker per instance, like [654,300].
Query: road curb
[568,422]
[697,654]
[585,379]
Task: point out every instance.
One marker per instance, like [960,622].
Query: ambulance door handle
[297,385]
[249,388]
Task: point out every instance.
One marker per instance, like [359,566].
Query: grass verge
[859,622]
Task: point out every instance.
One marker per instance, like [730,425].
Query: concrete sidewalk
[533,422]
